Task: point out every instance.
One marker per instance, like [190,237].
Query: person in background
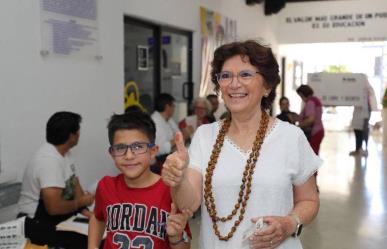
[135,207]
[360,121]
[248,167]
[201,110]
[360,124]
[310,118]
[51,191]
[166,128]
[286,115]
[214,101]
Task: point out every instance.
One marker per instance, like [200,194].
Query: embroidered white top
[286,159]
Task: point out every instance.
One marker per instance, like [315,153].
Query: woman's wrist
[175,238]
[291,225]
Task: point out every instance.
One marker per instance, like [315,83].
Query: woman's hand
[176,223]
[176,163]
[277,230]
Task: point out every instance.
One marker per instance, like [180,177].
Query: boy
[135,207]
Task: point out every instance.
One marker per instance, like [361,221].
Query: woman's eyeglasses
[136,148]
[244,77]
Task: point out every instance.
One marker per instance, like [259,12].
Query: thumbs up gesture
[176,163]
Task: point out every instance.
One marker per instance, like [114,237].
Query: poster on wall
[70,29]
[339,89]
[142,58]
[217,27]
[215,30]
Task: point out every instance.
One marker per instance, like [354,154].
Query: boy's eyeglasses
[136,148]
[244,77]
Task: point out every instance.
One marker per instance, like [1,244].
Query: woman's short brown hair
[305,90]
[258,55]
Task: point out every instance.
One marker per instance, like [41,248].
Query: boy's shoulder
[109,180]
[159,185]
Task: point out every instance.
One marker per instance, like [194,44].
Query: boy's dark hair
[283,98]
[134,120]
[258,55]
[162,100]
[60,125]
[305,90]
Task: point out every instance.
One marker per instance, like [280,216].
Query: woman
[310,119]
[360,120]
[188,125]
[249,165]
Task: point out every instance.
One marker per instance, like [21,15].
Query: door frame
[157,31]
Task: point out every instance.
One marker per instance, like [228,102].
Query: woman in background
[310,119]
[201,110]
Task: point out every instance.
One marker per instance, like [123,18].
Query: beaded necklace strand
[245,188]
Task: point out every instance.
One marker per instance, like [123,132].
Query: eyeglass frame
[237,76]
[127,146]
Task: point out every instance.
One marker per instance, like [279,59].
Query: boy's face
[134,167]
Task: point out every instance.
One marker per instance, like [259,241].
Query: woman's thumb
[173,208]
[180,147]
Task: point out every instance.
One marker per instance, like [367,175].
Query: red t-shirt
[134,217]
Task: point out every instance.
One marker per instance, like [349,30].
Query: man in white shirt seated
[51,191]
[166,128]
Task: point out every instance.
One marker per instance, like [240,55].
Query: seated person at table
[214,101]
[286,115]
[135,207]
[51,192]
[166,128]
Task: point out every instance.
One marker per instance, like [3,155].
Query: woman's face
[242,93]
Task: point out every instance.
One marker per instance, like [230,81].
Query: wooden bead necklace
[245,188]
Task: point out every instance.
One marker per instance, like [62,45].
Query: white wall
[371,28]
[184,14]
[32,87]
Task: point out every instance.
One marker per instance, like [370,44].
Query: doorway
[157,59]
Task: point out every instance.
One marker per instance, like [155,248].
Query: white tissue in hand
[258,225]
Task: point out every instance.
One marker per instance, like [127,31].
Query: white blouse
[285,159]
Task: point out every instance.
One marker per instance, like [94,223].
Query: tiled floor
[353,194]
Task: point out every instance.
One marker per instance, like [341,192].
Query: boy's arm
[96,230]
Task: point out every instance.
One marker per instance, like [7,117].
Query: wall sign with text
[333,24]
